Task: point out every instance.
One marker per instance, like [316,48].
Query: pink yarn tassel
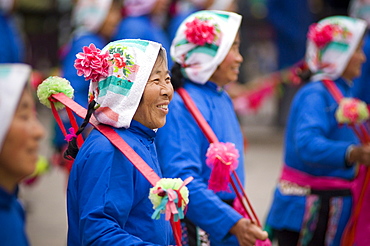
[222,158]
[220,176]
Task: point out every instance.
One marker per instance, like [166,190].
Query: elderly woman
[20,135]
[313,200]
[107,197]
[204,65]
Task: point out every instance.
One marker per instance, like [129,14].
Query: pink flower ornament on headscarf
[321,36]
[92,63]
[223,159]
[200,32]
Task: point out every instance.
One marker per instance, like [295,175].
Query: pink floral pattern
[200,32]
[92,63]
[119,60]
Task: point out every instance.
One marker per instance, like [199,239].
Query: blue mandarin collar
[142,131]
[344,82]
[7,198]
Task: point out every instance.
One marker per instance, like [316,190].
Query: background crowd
[48,33]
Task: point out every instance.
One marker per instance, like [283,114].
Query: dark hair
[72,150]
[177,79]
[303,72]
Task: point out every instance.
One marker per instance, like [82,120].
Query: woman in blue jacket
[107,197]
[206,52]
[312,202]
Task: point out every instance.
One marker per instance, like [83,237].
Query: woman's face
[353,69]
[158,92]
[19,152]
[228,70]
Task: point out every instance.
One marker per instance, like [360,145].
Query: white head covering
[221,4]
[360,9]
[89,15]
[6,5]
[124,67]
[13,78]
[202,42]
[330,45]
[138,7]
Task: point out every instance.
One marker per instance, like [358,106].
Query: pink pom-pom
[92,63]
[200,32]
[222,158]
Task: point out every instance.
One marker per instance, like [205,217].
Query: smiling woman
[107,197]
[20,135]
[206,52]
[152,109]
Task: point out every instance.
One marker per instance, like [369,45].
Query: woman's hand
[247,232]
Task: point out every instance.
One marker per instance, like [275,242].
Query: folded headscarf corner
[331,43]
[200,55]
[13,79]
[125,67]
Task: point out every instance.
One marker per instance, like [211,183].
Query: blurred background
[43,33]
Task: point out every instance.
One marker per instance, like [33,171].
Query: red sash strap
[74,124]
[126,150]
[212,138]
[115,139]
[350,236]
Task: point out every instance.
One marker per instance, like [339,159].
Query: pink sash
[314,182]
[362,236]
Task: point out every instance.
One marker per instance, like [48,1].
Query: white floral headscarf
[13,79]
[89,15]
[360,9]
[330,45]
[118,75]
[202,42]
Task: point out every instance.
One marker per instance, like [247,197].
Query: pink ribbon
[71,135]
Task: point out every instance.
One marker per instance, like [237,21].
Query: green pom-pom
[167,183]
[54,85]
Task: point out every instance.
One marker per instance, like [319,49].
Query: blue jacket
[290,20]
[12,225]
[11,44]
[314,144]
[107,197]
[182,148]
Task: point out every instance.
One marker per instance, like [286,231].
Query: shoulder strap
[197,115]
[333,89]
[113,137]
